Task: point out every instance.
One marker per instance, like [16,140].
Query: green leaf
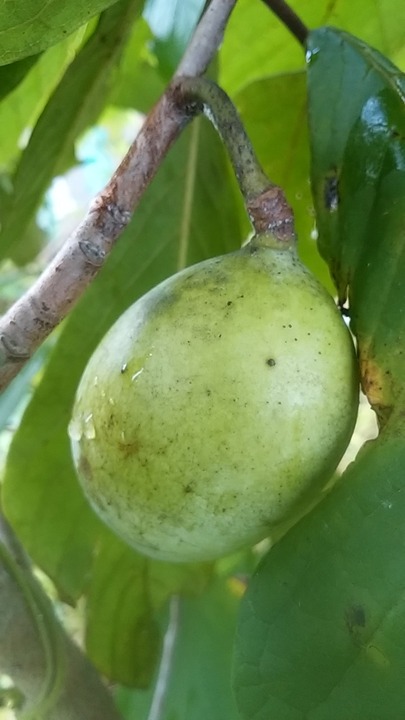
[16,395]
[123,637]
[81,96]
[122,634]
[139,83]
[12,75]
[197,660]
[283,150]
[357,123]
[190,212]
[172,22]
[256,44]
[322,627]
[21,108]
[29,26]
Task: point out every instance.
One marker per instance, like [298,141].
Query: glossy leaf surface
[358,179]
[322,627]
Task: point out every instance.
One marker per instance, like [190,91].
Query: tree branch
[56,679]
[33,317]
[290,19]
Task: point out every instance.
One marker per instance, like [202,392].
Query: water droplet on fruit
[310,55]
[89,429]
[75,430]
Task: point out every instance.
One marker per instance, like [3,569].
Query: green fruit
[216,406]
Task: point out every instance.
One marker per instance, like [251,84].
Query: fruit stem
[290,19]
[266,204]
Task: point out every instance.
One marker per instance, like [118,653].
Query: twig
[265,202]
[33,317]
[287,16]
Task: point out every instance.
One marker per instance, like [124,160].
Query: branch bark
[33,317]
[56,679]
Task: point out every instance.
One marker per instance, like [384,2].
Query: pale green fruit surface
[216,405]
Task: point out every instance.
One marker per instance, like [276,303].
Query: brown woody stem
[265,202]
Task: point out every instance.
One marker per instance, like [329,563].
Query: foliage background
[101,74]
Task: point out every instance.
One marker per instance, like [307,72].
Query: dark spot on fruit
[270,362]
[128,448]
[111,421]
[85,468]
[188,489]
[229,303]
[208,392]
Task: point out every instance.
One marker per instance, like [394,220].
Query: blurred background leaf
[12,75]
[75,103]
[139,83]
[28,27]
[196,661]
[126,594]
[172,23]
[257,45]
[20,109]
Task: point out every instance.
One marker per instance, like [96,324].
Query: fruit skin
[216,406]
